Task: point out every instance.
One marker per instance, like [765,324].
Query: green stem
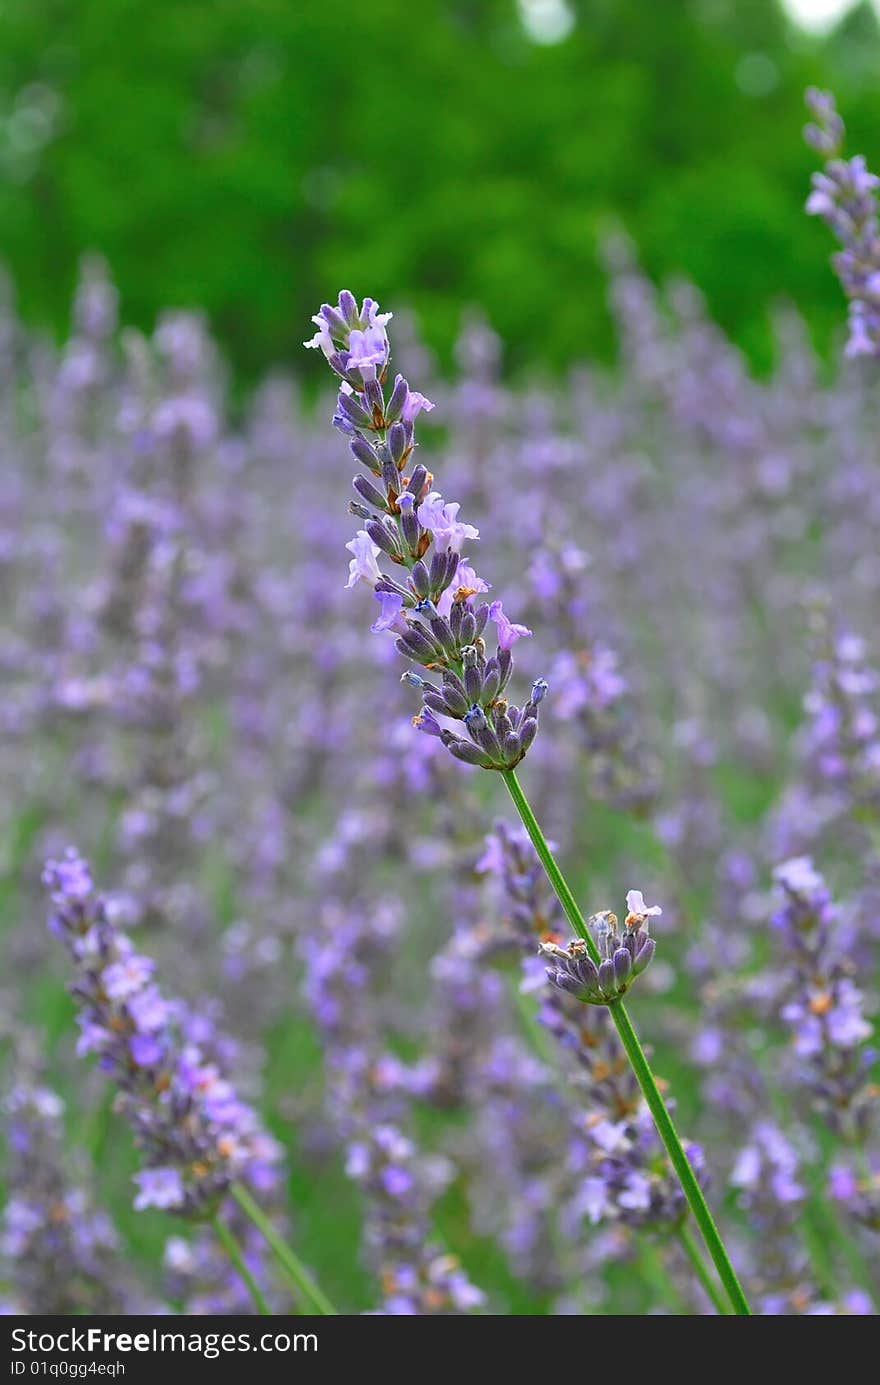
[692,1251]
[289,1261]
[233,1250]
[639,1063]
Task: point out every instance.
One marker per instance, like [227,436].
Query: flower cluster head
[842,737]
[61,1252]
[432,602]
[196,1135]
[827,1011]
[416,1276]
[845,196]
[824,1006]
[623,956]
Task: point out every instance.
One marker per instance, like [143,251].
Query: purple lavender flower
[845,196]
[822,1004]
[60,1252]
[615,1169]
[418,531]
[624,955]
[196,1136]
[369,1101]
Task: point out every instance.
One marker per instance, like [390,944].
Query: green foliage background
[249,156]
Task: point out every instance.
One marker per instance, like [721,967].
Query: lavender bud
[390,477]
[367,491]
[482,732]
[385,537]
[607,983]
[473,682]
[527,732]
[397,444]
[540,689]
[416,483]
[349,406]
[339,328]
[387,584]
[348,307]
[512,746]
[360,511]
[452,680]
[644,956]
[491,681]
[412,530]
[452,562]
[475,719]
[588,973]
[399,396]
[563,979]
[437,702]
[463,750]
[415,644]
[364,453]
[420,579]
[456,702]
[505,667]
[503,724]
[439,579]
[622,966]
[443,635]
[343,424]
[413,679]
[468,632]
[481,615]
[375,399]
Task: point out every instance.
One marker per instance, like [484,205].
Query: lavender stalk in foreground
[431,610]
[442,631]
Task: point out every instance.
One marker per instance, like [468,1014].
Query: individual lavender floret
[196,1136]
[430,610]
[624,956]
[823,1005]
[61,1252]
[844,195]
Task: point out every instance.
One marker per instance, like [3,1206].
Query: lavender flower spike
[845,196]
[623,956]
[196,1136]
[430,606]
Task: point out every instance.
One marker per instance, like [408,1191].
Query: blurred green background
[249,156]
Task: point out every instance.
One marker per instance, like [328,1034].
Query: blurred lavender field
[344,920]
